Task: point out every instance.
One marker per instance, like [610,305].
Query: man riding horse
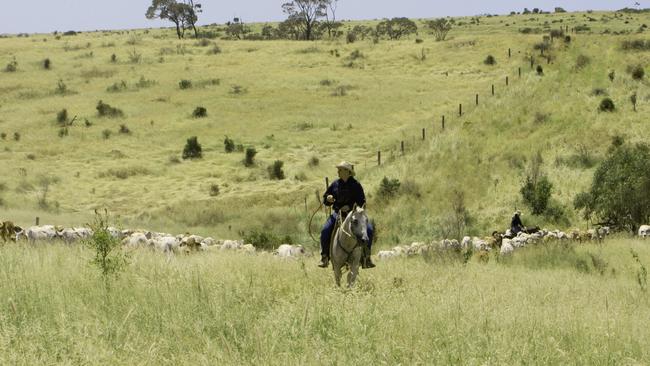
[342,195]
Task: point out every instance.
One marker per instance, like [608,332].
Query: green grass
[288,113]
[239,309]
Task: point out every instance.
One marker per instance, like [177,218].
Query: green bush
[200,112]
[192,149]
[637,72]
[185,84]
[275,170]
[619,189]
[62,116]
[105,110]
[249,160]
[607,105]
[490,60]
[264,239]
[228,145]
[388,187]
[47,64]
[109,257]
[536,194]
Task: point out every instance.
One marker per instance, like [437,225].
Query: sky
[44,16]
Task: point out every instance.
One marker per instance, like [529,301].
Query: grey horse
[348,244]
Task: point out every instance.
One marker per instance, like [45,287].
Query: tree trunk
[178,31]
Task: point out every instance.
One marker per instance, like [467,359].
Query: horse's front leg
[337,273]
[354,270]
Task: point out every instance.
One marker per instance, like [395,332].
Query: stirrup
[324,262]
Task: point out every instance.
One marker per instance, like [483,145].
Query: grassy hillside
[295,101]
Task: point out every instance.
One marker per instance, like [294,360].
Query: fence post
[520,72]
[492,89]
[460,109]
[476,99]
[402,147]
[548,60]
[423,134]
[509,53]
[443,121]
[327,183]
[532,62]
[507,81]
[378,158]
[38,219]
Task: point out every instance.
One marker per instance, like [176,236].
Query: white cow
[231,244]
[506,247]
[137,239]
[166,244]
[290,251]
[644,231]
[387,254]
[45,232]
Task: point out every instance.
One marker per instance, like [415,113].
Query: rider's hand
[330,198]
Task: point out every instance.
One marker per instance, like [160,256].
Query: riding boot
[366,262]
[324,261]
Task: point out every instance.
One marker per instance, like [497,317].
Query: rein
[310,221]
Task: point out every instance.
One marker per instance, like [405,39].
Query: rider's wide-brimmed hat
[347,166]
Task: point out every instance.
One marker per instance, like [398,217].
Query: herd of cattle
[506,243]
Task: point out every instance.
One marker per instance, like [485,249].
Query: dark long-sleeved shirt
[516,225]
[345,194]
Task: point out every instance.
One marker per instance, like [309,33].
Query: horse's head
[359,224]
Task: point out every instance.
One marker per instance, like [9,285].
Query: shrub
[109,257]
[263,239]
[598,91]
[249,160]
[192,149]
[540,70]
[61,88]
[582,61]
[16,136]
[117,87]
[229,145]
[214,190]
[215,50]
[275,170]
[490,60]
[12,66]
[106,134]
[47,64]
[351,37]
[145,83]
[607,105]
[238,89]
[618,193]
[203,42]
[313,161]
[63,131]
[440,28]
[185,84]
[113,58]
[637,72]
[105,110]
[536,193]
[567,39]
[124,130]
[3,135]
[200,112]
[612,75]
[388,187]
[62,116]
[135,57]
